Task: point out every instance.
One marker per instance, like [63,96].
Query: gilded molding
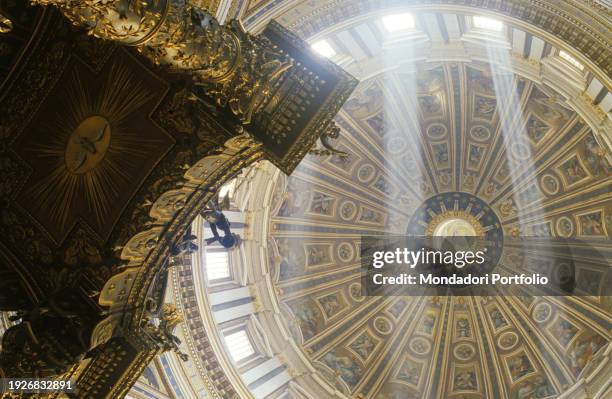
[237,70]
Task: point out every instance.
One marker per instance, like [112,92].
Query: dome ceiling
[446,136]
[552,180]
[441,116]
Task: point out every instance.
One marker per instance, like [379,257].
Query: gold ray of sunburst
[119,96]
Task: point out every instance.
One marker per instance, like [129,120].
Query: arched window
[216,263]
[239,345]
[489,24]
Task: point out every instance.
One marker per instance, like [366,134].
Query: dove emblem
[87,144]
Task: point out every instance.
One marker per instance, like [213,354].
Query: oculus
[456,226]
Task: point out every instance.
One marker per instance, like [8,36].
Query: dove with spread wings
[85,143]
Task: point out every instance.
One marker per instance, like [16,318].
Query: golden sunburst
[90,148]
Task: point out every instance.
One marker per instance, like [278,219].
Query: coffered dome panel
[454,128]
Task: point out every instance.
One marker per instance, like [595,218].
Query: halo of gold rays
[119,150]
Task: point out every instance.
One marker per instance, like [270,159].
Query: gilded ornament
[6,25]
[236,69]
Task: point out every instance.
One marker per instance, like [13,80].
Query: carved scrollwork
[238,70]
[127,21]
[161,333]
[332,132]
